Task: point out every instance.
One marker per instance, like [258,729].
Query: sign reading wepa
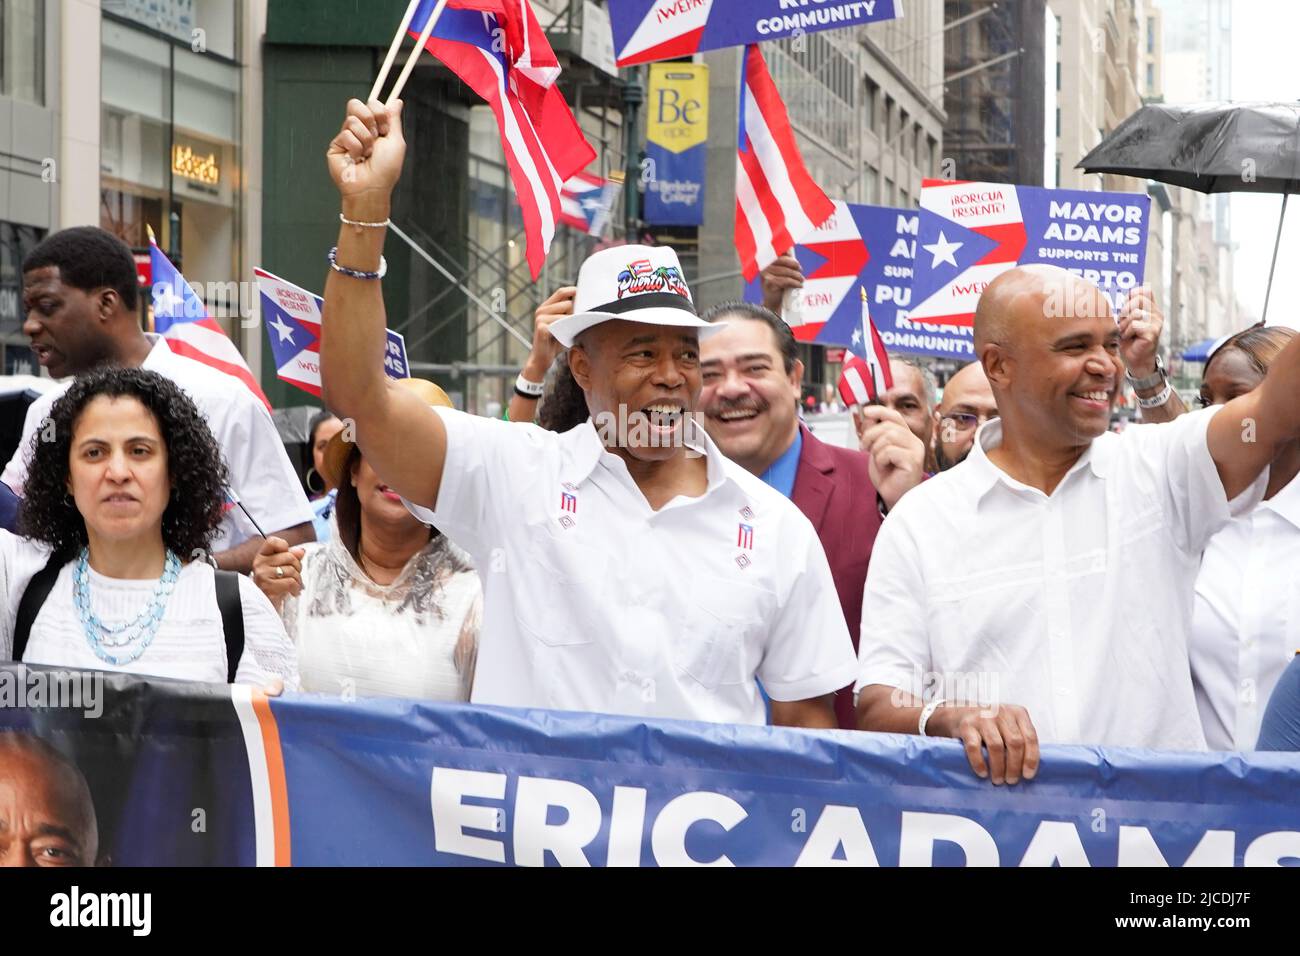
[676,128]
[646,30]
[970,233]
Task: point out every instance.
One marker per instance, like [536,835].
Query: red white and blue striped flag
[777,202]
[180,317]
[504,57]
[865,377]
[582,198]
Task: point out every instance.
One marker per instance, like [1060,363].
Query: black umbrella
[1212,148]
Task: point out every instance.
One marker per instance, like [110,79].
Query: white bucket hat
[633,283]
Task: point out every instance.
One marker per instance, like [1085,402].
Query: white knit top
[189,644]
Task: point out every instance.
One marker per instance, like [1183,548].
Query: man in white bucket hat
[628,567]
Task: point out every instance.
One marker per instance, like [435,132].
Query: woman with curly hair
[387,607]
[124,496]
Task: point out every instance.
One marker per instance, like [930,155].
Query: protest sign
[292,317]
[646,30]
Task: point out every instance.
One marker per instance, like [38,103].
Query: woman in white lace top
[388,607]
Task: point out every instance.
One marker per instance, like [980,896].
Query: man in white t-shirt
[1042,589]
[79,292]
[627,569]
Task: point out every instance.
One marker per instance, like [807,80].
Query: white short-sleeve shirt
[1246,619]
[1075,606]
[260,471]
[593,601]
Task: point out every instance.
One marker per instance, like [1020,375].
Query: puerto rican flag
[291,317]
[777,203]
[968,235]
[865,375]
[581,200]
[512,67]
[180,317]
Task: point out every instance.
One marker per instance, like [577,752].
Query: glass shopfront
[170,139]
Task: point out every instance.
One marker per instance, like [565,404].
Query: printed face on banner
[647,30]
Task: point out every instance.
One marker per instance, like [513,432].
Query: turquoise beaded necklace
[133,637]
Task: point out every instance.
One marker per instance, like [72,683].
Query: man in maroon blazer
[752,377]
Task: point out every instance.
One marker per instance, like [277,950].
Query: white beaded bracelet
[365,225]
[927,712]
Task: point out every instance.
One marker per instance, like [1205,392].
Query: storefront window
[170,148]
[22,50]
[15,243]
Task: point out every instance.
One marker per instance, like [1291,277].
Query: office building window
[22,50]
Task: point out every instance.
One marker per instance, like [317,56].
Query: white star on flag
[856,338]
[167,302]
[943,250]
[284,331]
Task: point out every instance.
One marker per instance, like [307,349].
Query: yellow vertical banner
[677,125]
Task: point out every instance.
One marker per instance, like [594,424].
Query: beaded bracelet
[356,273]
[364,225]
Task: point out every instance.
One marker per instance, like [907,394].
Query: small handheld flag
[180,317]
[865,378]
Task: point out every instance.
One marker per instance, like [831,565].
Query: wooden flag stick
[392,50]
[415,54]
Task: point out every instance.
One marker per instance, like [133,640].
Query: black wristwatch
[1158,377]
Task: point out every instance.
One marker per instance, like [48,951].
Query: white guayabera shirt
[593,601]
[1075,606]
[1246,621]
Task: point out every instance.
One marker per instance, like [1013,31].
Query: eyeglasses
[965,421]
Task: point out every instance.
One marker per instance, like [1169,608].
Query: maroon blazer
[834,491]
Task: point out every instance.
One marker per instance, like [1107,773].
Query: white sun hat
[633,283]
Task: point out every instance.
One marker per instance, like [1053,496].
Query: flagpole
[392,50]
[415,54]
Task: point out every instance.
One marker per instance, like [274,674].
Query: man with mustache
[1069,623]
[752,377]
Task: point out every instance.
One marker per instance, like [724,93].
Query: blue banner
[970,233]
[315,780]
[677,125]
[646,30]
[871,248]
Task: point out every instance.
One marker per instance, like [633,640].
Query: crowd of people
[653,531]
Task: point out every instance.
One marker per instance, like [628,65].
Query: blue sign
[872,248]
[970,233]
[676,128]
[646,30]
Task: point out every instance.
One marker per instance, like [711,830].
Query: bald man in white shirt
[1072,626]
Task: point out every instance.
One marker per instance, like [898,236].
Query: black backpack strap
[232,620]
[38,589]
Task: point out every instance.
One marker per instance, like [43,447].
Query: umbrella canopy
[1209,147]
[1201,351]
